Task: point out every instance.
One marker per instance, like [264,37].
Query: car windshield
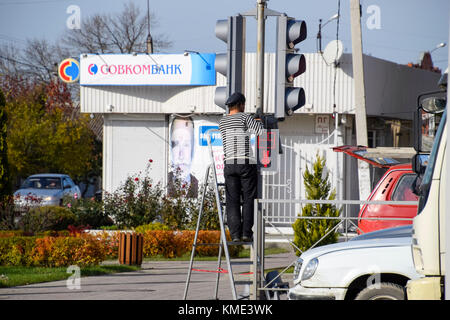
[42,183]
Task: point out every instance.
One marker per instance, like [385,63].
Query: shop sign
[194,69]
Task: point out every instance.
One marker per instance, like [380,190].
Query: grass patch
[18,276]
[244,253]
[289,270]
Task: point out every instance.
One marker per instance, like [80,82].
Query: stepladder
[252,280]
[224,246]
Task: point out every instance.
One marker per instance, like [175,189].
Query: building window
[372,138]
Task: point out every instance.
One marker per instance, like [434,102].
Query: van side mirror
[419,163]
[415,163]
[434,105]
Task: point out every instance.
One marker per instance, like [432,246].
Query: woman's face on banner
[181,144]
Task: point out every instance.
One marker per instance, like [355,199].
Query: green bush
[47,218]
[308,231]
[135,203]
[8,213]
[210,218]
[88,212]
[151,226]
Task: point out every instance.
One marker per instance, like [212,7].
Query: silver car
[45,189]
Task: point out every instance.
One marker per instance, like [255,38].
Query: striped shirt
[236,130]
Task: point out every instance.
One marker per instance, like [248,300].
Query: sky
[394,30]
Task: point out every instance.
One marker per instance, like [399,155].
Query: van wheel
[382,291]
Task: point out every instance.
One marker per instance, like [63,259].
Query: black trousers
[240,179]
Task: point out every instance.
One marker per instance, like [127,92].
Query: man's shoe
[247,239]
[236,240]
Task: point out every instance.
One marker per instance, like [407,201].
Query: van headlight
[310,269]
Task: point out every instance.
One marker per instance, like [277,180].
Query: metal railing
[261,219]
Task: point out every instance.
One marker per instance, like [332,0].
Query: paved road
[159,280]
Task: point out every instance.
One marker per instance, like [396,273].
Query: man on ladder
[240,172]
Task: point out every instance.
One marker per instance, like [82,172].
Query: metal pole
[255,252]
[260,56]
[256,247]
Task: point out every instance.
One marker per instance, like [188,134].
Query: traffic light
[289,65]
[230,64]
[268,150]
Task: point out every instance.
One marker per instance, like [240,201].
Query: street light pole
[319,34]
[440,45]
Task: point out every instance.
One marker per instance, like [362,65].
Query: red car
[394,185]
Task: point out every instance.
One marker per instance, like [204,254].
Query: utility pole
[360,96]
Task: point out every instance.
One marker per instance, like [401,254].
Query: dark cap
[235,98]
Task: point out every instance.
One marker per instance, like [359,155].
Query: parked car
[45,189]
[372,266]
[394,185]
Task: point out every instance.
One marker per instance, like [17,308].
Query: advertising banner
[193,69]
[189,154]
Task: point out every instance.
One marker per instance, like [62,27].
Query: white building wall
[130,141]
[391,90]
[136,120]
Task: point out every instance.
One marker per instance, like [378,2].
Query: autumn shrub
[48,251]
[172,244]
[22,233]
[163,242]
[16,251]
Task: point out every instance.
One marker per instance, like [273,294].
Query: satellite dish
[333,52]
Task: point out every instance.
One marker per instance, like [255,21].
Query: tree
[5,184]
[125,32]
[45,132]
[308,231]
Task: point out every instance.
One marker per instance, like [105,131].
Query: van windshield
[428,175]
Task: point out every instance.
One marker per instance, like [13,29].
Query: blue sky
[406,27]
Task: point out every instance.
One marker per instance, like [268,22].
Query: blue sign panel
[216,138]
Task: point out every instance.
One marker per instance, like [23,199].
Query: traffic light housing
[232,63]
[289,65]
